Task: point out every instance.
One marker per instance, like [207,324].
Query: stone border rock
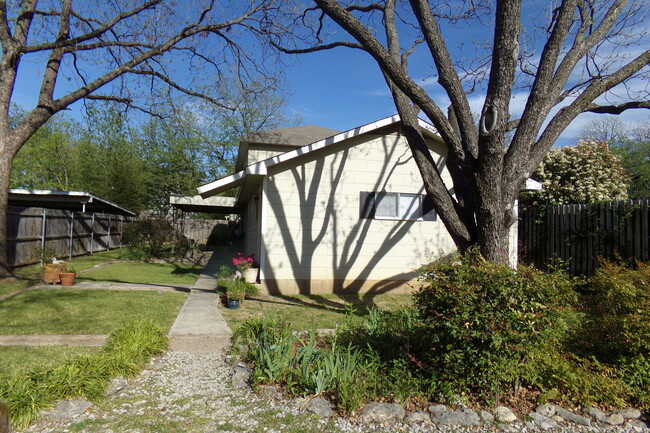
[545,417]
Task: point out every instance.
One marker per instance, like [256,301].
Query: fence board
[578,234]
[66,233]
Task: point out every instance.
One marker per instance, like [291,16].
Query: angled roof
[79,201]
[283,137]
[260,168]
[296,136]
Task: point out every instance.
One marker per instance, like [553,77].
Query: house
[345,212]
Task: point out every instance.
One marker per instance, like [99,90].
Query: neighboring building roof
[259,169]
[283,137]
[195,203]
[79,201]
[296,136]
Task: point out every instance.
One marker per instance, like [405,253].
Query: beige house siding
[313,237]
[260,153]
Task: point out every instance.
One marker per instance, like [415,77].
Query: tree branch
[616,109]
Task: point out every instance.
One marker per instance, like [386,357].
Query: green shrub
[488,322]
[152,238]
[236,288]
[127,351]
[618,307]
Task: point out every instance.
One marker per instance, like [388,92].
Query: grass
[304,312]
[18,359]
[69,311]
[28,276]
[153,273]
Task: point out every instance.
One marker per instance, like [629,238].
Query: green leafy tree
[106,50]
[49,158]
[585,173]
[110,162]
[631,142]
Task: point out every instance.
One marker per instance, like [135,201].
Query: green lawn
[31,275]
[22,359]
[304,312]
[69,311]
[154,273]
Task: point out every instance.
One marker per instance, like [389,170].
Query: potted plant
[235,292]
[247,267]
[68,277]
[51,267]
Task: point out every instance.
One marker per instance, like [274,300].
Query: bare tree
[130,51]
[576,56]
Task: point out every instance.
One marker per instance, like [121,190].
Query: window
[396,206]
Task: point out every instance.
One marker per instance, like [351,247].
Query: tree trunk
[5,170]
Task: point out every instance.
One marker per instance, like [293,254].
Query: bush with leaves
[152,238]
[490,322]
[617,329]
[585,173]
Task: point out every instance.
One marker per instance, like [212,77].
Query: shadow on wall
[345,251]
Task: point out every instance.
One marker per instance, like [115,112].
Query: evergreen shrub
[490,323]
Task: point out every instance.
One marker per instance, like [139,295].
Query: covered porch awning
[196,203]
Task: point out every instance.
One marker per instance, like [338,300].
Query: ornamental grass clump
[126,353]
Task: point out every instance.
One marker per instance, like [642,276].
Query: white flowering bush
[585,173]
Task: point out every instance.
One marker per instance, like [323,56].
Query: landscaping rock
[465,417]
[5,419]
[420,417]
[486,417]
[270,391]
[637,425]
[630,413]
[598,414]
[540,421]
[382,413]
[503,414]
[298,403]
[437,408]
[546,410]
[69,409]
[321,407]
[574,418]
[241,376]
[615,419]
[117,385]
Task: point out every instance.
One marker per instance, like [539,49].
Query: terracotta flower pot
[67,278]
[51,272]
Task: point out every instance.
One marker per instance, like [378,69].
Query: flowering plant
[243,262]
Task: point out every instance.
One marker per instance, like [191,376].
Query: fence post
[108,247]
[42,237]
[92,234]
[71,232]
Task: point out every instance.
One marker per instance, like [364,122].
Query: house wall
[314,238]
[262,152]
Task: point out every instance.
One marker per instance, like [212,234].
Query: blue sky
[343,88]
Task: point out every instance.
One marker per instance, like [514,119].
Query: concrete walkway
[199,327]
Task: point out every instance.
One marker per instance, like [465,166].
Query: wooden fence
[578,234]
[31,231]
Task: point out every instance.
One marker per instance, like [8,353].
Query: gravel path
[183,392]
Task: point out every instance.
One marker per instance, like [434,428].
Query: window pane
[409,207]
[386,204]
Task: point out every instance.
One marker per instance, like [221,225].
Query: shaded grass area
[18,359]
[28,276]
[69,311]
[153,273]
[303,312]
